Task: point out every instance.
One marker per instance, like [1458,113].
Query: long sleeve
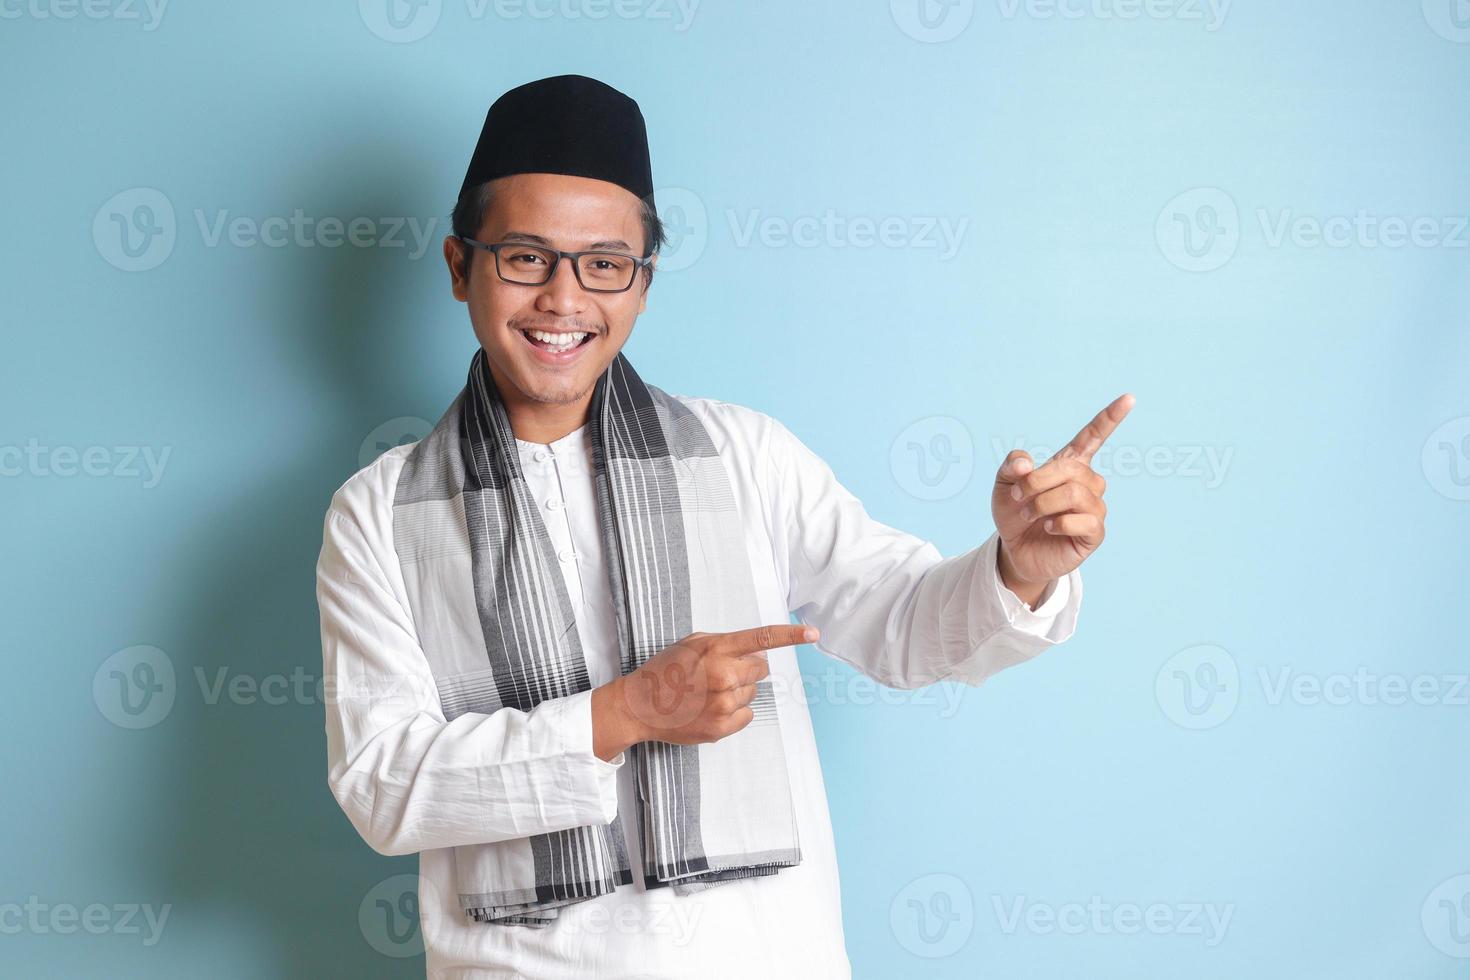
[408,779]
[885,601]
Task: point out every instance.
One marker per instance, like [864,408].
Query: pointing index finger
[742,642]
[1090,439]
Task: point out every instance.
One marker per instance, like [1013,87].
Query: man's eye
[527,258]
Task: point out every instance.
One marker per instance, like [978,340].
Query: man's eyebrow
[525,236]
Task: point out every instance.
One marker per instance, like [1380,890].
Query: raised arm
[886,602]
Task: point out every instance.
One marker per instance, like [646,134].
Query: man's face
[567,213]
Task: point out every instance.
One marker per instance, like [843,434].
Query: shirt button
[553,503]
[565,554]
[542,456]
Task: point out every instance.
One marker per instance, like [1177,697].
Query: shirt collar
[572,446]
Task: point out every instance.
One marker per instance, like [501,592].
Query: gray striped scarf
[491,608]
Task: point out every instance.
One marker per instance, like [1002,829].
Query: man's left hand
[1051,517]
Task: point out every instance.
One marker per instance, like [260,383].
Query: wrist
[613,727]
[1027,591]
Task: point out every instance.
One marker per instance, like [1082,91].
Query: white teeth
[559,341]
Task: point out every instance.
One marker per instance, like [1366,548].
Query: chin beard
[559,396]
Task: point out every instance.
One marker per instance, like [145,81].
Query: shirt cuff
[1021,616]
[588,779]
[1053,622]
[1003,630]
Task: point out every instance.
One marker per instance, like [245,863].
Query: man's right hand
[697,690]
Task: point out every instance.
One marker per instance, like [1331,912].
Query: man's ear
[455,253]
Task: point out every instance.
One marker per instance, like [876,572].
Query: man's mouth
[557,343]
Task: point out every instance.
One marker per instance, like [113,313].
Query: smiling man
[560,629]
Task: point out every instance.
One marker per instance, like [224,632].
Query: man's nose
[562,295]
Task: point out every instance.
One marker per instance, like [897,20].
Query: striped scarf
[476,555]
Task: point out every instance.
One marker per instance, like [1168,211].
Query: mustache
[554,324]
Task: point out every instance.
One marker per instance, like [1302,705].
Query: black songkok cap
[568,124]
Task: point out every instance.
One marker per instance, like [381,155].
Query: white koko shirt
[885,602]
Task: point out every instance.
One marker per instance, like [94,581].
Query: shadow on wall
[252,835]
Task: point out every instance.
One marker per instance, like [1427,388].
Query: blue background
[1333,542]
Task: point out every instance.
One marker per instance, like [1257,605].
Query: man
[559,625]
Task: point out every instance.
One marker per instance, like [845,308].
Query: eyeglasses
[532,265]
